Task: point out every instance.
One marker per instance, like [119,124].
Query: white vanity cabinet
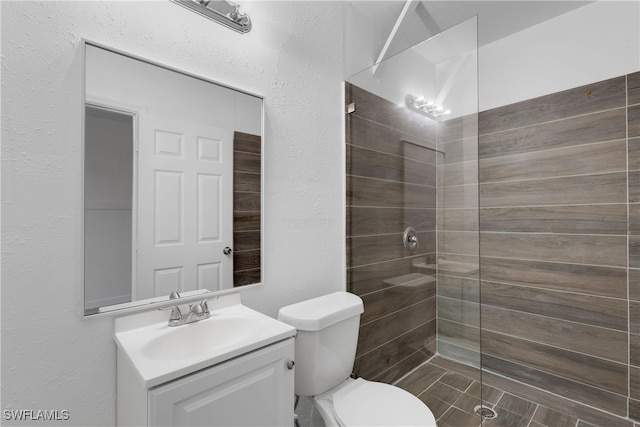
[255,389]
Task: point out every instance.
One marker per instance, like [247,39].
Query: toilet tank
[326,340]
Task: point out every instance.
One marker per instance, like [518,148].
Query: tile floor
[452,391]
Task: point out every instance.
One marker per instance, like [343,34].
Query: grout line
[391,181]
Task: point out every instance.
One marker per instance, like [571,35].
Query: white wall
[592,43]
[51,357]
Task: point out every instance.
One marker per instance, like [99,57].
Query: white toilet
[325,351]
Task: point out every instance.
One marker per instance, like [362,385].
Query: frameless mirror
[172,183]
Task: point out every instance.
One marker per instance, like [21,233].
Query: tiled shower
[528,218]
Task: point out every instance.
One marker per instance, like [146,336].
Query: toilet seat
[369,403]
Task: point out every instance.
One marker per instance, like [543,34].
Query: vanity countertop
[160,353]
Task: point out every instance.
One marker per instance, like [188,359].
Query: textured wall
[51,357]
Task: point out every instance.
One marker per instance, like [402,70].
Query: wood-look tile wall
[458,241]
[246,208]
[391,185]
[560,244]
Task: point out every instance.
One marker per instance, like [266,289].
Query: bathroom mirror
[172,182]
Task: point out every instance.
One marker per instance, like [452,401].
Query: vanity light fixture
[428,108]
[222,11]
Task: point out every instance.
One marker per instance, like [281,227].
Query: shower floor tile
[452,392]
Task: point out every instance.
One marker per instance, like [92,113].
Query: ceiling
[496,19]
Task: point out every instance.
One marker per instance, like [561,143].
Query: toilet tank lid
[321,312]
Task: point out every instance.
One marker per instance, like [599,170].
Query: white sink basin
[160,353]
[205,336]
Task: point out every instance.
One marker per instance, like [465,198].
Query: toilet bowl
[325,352]
[368,403]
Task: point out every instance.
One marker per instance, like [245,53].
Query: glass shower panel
[412,209]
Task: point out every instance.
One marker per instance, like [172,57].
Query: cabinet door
[252,390]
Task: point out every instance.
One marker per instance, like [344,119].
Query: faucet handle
[175,315]
[205,306]
[174,295]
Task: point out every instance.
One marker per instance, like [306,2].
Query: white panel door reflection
[185,207]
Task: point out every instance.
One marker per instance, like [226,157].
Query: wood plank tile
[634,284]
[374,192]
[384,302]
[373,249]
[634,186]
[421,379]
[634,317]
[634,409]
[582,338]
[392,374]
[543,382]
[457,381]
[458,367]
[634,350]
[454,417]
[593,128]
[458,334]
[375,362]
[246,202]
[633,117]
[243,181]
[633,88]
[367,134]
[458,242]
[246,221]
[569,248]
[576,160]
[247,143]
[377,333]
[246,162]
[373,164]
[579,219]
[458,128]
[459,288]
[634,153]
[246,260]
[594,280]
[634,218]
[590,310]
[379,110]
[460,353]
[246,240]
[464,150]
[459,197]
[373,277]
[574,190]
[458,219]
[464,312]
[607,375]
[368,221]
[458,174]
[634,382]
[581,100]
[246,277]
[517,405]
[634,251]
[548,417]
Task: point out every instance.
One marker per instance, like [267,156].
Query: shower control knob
[290,364]
[227,250]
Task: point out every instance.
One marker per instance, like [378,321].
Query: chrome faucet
[196,312]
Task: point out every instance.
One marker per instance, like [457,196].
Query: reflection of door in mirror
[109,160]
[191,191]
[185,207]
